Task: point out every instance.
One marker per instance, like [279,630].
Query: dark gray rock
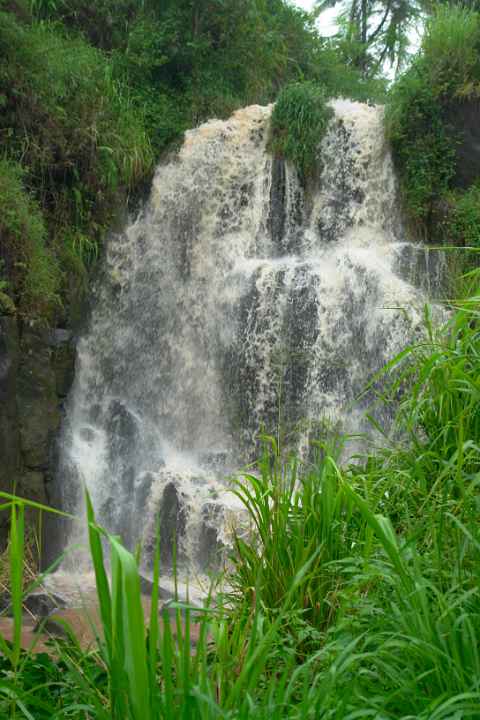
[32,486]
[9,426]
[142,486]
[40,604]
[50,627]
[63,361]
[209,547]
[36,397]
[463,119]
[277,214]
[173,520]
[9,431]
[60,337]
[146,587]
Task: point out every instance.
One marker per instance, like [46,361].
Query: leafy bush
[32,270]
[422,146]
[446,70]
[299,121]
[82,146]
[450,49]
[464,217]
[68,121]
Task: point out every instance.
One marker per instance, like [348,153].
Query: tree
[376,31]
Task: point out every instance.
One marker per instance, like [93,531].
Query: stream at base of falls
[236,297]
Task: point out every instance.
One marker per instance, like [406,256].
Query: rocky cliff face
[463,118]
[36,370]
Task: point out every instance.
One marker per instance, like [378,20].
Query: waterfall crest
[237,298]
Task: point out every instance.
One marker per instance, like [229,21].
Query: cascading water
[235,298]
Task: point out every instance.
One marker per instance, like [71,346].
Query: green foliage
[450,49]
[91,94]
[343,79]
[32,270]
[464,217]
[81,146]
[303,528]
[68,121]
[299,121]
[421,143]
[421,108]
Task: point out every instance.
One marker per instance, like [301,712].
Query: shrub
[69,121]
[422,146]
[299,121]
[32,270]
[450,48]
[420,107]
[464,217]
[82,144]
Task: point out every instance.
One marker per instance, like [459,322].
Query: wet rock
[277,214]
[50,626]
[209,546]
[36,397]
[143,486]
[40,604]
[173,519]
[32,486]
[463,120]
[63,361]
[9,435]
[146,588]
[60,337]
[122,430]
[215,460]
[9,431]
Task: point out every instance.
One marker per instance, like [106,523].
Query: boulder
[40,604]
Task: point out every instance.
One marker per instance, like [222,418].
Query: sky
[326,20]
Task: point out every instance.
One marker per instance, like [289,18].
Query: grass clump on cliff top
[299,121]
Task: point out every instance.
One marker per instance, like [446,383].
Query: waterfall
[238,299]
